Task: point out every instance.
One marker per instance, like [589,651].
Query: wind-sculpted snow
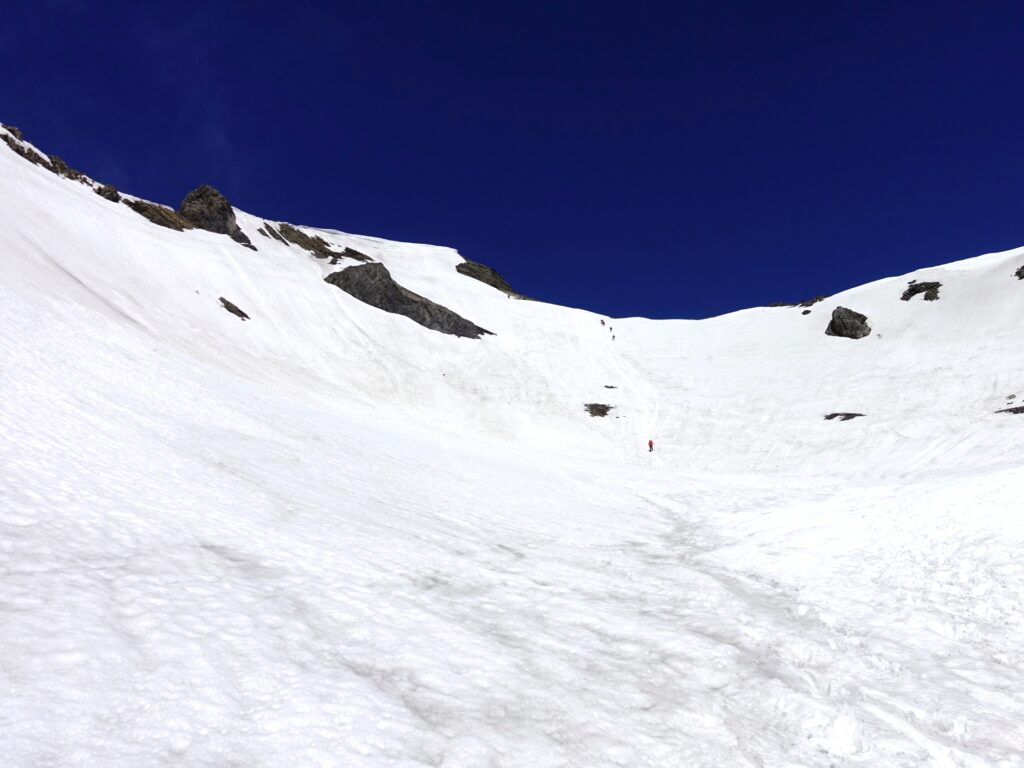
[327,536]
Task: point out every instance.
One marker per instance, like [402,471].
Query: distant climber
[602,322]
[650,446]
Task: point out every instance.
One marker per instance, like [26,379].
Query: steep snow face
[329,536]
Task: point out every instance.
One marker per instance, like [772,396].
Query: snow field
[329,537]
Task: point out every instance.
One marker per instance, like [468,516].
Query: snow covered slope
[328,536]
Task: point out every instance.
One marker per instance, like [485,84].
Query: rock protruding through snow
[159,214]
[930,291]
[208,209]
[848,324]
[233,309]
[484,274]
[314,244]
[373,284]
[108,192]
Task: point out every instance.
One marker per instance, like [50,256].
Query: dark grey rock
[811,302]
[233,309]
[274,233]
[848,324]
[1019,273]
[610,386]
[108,192]
[373,284]
[805,303]
[930,291]
[158,214]
[484,274]
[598,409]
[15,132]
[315,244]
[842,416]
[806,312]
[1015,409]
[61,168]
[352,253]
[26,152]
[208,209]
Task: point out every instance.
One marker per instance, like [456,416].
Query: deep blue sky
[658,159]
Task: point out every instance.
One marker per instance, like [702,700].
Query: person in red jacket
[650,446]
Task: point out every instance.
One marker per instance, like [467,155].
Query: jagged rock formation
[314,244]
[269,231]
[158,214]
[598,409]
[842,416]
[484,274]
[58,166]
[13,140]
[930,291]
[848,324]
[373,284]
[208,209]
[234,310]
[108,192]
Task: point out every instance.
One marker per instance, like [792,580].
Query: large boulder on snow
[373,284]
[848,324]
[208,209]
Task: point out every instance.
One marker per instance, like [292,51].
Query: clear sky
[662,159]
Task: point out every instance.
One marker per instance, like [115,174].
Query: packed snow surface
[327,536]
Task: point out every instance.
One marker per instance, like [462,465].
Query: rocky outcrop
[108,192]
[848,324]
[373,285]
[842,416]
[61,168]
[158,214]
[234,310]
[15,140]
[598,409]
[26,152]
[208,209]
[484,274]
[1016,409]
[273,233]
[814,300]
[805,303]
[930,291]
[314,244]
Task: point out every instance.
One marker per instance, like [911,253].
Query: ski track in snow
[328,537]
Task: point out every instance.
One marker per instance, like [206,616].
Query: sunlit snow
[327,536]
